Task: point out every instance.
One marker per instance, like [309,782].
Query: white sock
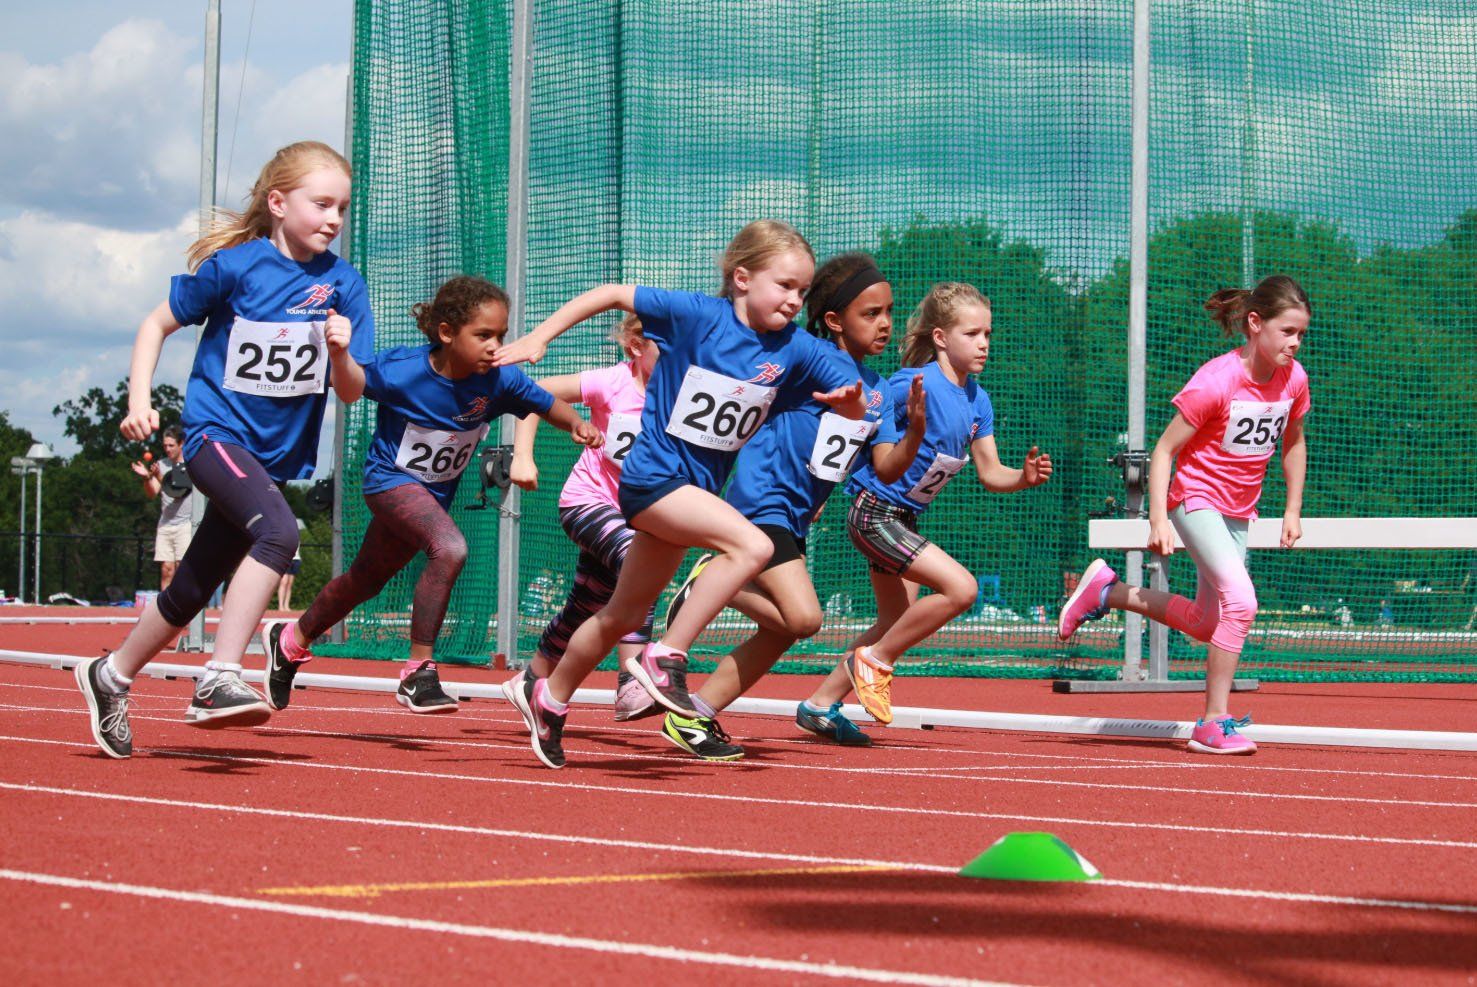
[874,660]
[111,679]
[214,668]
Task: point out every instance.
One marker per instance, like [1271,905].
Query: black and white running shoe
[421,692]
[701,736]
[664,678]
[545,727]
[280,670]
[685,590]
[108,710]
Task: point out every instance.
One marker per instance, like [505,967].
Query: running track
[347,841]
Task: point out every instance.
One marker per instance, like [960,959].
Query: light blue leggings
[1225,601]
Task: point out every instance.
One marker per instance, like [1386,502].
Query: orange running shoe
[872,685]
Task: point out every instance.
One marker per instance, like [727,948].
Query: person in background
[172,536]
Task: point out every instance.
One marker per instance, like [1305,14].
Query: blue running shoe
[832,725]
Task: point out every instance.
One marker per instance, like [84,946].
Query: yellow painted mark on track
[375,890]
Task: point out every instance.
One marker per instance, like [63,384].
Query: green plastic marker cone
[1031,857]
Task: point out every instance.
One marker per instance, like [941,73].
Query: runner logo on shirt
[768,373]
[318,296]
[874,401]
[476,412]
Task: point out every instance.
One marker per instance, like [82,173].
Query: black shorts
[787,548]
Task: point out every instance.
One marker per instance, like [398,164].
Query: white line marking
[690,796]
[734,853]
[506,935]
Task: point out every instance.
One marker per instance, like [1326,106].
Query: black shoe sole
[702,757]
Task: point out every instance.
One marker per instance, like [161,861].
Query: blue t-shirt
[791,466]
[428,426]
[714,384]
[957,416]
[261,374]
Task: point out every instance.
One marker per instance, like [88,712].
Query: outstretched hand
[846,401]
[138,467]
[917,403]
[1037,468]
[524,349]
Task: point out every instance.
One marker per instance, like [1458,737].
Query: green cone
[1031,857]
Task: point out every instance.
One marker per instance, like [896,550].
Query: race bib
[836,445]
[620,436]
[433,456]
[939,472]
[276,359]
[718,412]
[1254,427]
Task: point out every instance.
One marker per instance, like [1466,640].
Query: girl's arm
[530,348]
[523,470]
[891,460]
[999,478]
[1294,471]
[562,415]
[348,376]
[142,420]
[1161,532]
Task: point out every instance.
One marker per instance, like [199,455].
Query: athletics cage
[1097,167]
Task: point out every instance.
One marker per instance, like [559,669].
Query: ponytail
[1274,295]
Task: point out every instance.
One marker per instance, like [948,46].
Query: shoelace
[116,722]
[227,682]
[716,731]
[1229,724]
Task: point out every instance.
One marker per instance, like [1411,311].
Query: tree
[92,420]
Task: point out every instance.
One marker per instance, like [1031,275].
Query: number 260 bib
[276,359]
[718,412]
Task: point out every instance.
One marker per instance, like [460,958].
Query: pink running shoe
[1219,736]
[1088,601]
[631,699]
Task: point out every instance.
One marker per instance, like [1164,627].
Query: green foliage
[92,420]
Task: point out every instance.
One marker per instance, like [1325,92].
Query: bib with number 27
[718,412]
[837,444]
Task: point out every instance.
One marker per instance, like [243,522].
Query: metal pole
[517,272]
[36,569]
[194,639]
[1138,264]
[20,593]
[341,410]
[1248,153]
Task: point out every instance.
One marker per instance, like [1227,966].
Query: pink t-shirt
[1238,423]
[615,400]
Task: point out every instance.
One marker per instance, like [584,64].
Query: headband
[846,293]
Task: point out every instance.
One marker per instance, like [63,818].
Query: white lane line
[787,766]
[649,950]
[742,854]
[691,796]
[497,715]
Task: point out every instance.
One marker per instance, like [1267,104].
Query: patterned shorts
[885,533]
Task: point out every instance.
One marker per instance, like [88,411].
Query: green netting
[987,142]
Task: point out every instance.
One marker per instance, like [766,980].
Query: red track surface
[192,846]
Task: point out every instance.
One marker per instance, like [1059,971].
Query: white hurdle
[904,717]
[1264,534]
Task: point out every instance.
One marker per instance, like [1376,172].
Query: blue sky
[99,168]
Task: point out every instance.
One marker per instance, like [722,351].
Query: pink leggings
[1225,601]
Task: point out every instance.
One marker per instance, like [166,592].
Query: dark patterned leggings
[407,520]
[603,537]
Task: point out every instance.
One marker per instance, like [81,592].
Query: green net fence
[987,142]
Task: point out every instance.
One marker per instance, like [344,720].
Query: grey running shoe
[421,692]
[225,701]
[108,710]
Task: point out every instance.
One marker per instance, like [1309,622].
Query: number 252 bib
[276,359]
[718,412]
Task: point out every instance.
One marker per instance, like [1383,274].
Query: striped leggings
[603,537]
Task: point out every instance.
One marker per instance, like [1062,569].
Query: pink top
[615,399]
[1237,425]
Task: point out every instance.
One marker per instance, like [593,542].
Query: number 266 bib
[276,359]
[434,456]
[718,412]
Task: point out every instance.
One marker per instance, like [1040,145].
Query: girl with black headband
[782,478]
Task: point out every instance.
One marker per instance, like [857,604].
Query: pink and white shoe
[1220,736]
[1088,601]
[631,699]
